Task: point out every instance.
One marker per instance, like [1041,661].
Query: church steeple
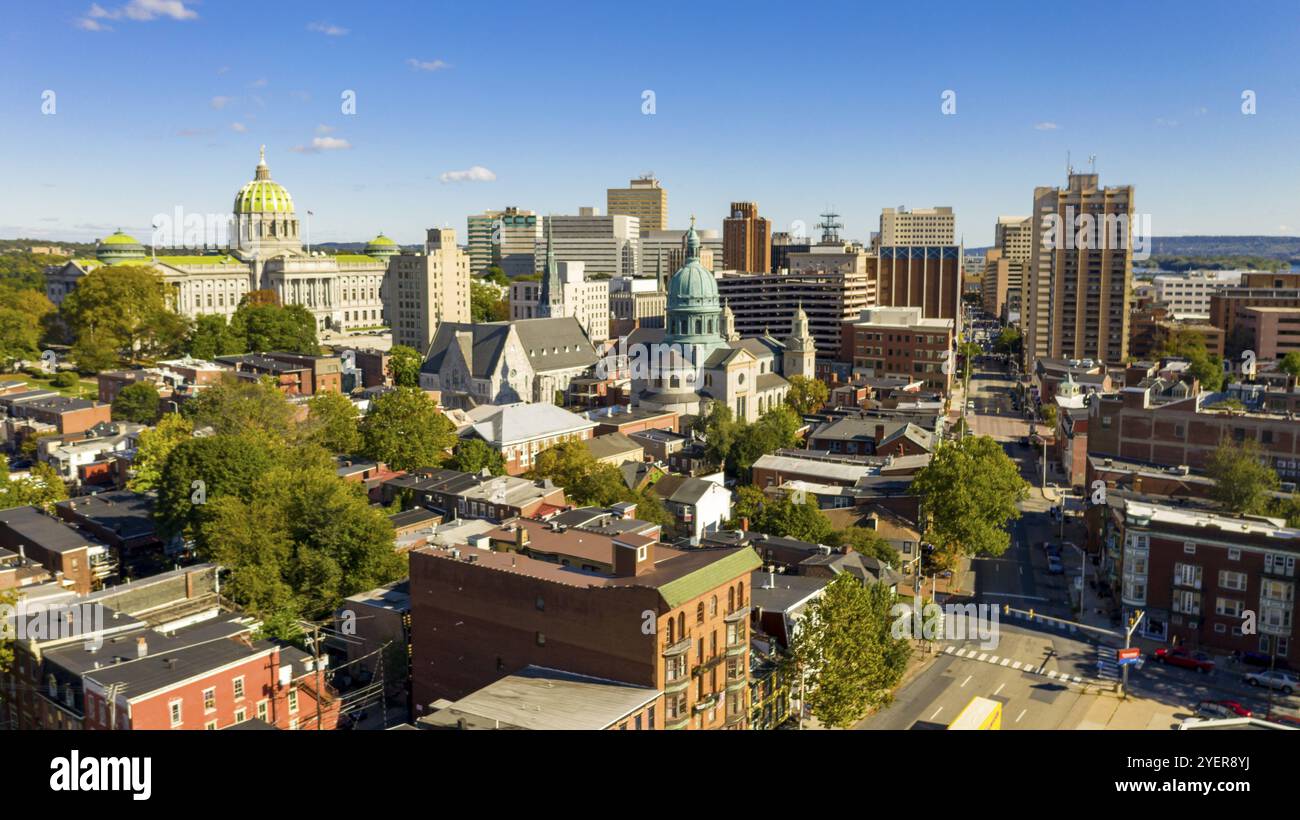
[729,324]
[800,356]
[551,295]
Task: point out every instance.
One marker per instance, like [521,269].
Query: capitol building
[343,291]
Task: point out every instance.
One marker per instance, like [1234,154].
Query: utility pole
[1128,643]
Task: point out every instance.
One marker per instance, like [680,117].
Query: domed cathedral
[343,291]
[698,357]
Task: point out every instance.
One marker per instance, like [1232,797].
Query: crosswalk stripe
[1005,661]
[1015,665]
[982,656]
[1052,674]
[993,659]
[947,650]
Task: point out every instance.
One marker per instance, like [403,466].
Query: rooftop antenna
[830,226]
[1092,163]
[1069,166]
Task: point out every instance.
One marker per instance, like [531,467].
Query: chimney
[633,559]
[744,525]
[141,647]
[521,536]
[880,433]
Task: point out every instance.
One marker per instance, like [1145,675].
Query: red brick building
[674,621]
[1199,575]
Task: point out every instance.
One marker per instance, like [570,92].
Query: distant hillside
[1274,247]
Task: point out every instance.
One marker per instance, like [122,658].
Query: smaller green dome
[382,246]
[119,247]
[120,238]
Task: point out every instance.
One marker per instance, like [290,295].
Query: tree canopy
[969,492]
[735,445]
[781,515]
[845,651]
[807,395]
[137,402]
[405,429]
[404,366]
[120,314]
[473,455]
[332,423]
[1243,481]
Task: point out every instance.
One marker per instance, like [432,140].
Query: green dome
[263,196]
[119,238]
[382,246]
[120,247]
[693,287]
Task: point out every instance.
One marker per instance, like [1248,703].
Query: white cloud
[476,173]
[87,24]
[238,127]
[319,144]
[140,11]
[427,65]
[328,29]
[324,129]
[1046,126]
[219,103]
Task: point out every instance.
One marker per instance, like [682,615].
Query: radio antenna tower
[830,226]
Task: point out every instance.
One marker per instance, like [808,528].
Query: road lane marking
[1001,686]
[1022,714]
[963,683]
[936,713]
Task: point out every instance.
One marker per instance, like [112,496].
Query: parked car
[1259,659]
[1185,659]
[1054,565]
[1284,682]
[1221,709]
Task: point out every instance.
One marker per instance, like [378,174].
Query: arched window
[731,600]
[713,606]
[681,626]
[672,631]
[699,613]
[740,594]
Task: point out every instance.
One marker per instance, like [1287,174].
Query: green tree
[496,276]
[211,336]
[969,492]
[300,542]
[781,515]
[233,406]
[41,487]
[406,430]
[1049,416]
[1008,341]
[486,304]
[1243,481]
[331,423]
[868,542]
[1290,363]
[8,598]
[137,402]
[23,314]
[404,366]
[807,395]
[567,464]
[259,326]
[198,471]
[122,310]
[719,430]
[155,445]
[473,455]
[845,654]
[1190,345]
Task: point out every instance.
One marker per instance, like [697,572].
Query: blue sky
[163,103]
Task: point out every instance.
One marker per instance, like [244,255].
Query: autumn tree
[807,395]
[122,312]
[405,429]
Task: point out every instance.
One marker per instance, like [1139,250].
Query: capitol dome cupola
[265,220]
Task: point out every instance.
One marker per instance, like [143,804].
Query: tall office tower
[746,240]
[1001,285]
[426,289]
[645,199]
[606,245]
[920,227]
[1014,237]
[919,263]
[507,238]
[663,252]
[1080,272]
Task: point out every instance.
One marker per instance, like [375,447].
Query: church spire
[549,296]
[692,241]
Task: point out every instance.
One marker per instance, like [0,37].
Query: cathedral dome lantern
[694,309]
